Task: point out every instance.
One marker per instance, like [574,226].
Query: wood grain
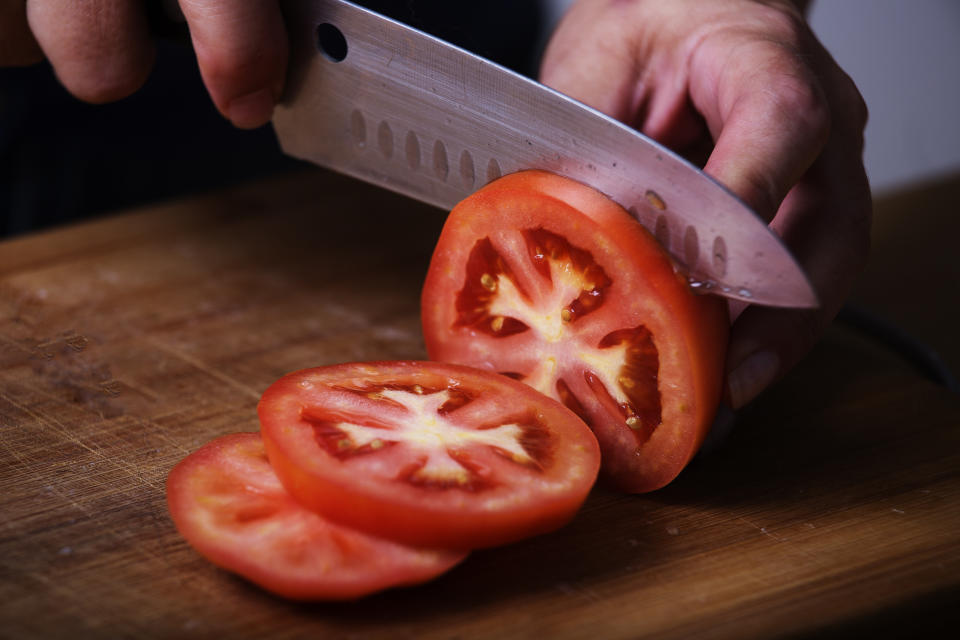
[125,343]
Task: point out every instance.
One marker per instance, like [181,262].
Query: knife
[378,100]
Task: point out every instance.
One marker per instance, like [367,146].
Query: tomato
[548,281]
[227,502]
[428,454]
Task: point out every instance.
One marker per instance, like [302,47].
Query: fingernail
[752,376]
[252,110]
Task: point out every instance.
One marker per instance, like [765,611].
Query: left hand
[102,50]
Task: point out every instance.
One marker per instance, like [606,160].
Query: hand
[101,50]
[782,124]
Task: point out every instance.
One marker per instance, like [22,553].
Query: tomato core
[493,301]
[439,448]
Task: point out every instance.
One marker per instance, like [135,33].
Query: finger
[597,56]
[18,47]
[825,220]
[99,49]
[573,58]
[241,47]
[767,112]
[766,342]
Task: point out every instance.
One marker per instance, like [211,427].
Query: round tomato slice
[548,281]
[426,453]
[227,502]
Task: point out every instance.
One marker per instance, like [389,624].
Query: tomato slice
[227,502]
[550,282]
[429,454]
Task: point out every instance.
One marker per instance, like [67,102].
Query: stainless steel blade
[373,98]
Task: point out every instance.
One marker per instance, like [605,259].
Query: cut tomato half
[429,454]
[227,502]
[546,280]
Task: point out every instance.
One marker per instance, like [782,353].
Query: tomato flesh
[427,453]
[547,281]
[227,502]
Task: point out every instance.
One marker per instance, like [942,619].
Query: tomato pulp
[227,502]
[548,281]
[426,453]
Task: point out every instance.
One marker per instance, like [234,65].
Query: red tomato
[227,502]
[548,281]
[426,453]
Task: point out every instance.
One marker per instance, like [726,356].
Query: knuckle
[784,21]
[784,51]
[801,98]
[781,75]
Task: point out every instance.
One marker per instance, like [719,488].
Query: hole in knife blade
[467,172]
[720,256]
[493,170]
[691,246]
[331,42]
[358,128]
[662,231]
[413,150]
[441,166]
[385,139]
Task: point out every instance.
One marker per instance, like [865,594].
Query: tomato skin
[226,501]
[642,292]
[371,487]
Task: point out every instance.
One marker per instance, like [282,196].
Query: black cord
[922,357]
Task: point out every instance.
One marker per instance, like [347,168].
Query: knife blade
[378,100]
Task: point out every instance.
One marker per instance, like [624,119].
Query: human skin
[741,86]
[745,88]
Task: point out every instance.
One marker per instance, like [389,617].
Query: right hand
[748,81]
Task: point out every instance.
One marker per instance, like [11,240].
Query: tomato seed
[489,282]
[497,323]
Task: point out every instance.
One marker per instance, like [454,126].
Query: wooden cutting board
[128,342]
